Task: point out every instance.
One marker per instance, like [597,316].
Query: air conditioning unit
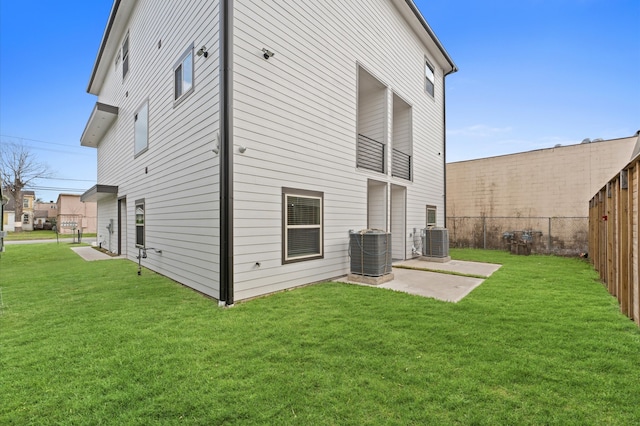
[435,242]
[370,252]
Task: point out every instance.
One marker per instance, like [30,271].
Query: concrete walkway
[441,286]
[51,240]
[90,254]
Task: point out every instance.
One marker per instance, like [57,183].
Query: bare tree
[19,168]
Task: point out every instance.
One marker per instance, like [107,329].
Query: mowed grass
[540,342]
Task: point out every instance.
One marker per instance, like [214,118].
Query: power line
[36,140]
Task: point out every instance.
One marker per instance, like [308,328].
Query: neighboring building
[9,213]
[551,182]
[245,144]
[542,194]
[28,201]
[74,214]
[51,208]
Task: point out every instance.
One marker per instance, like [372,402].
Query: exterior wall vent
[435,242]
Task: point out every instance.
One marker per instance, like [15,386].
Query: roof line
[105,36]
[429,31]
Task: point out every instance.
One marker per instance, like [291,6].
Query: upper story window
[429,77]
[25,203]
[183,75]
[125,56]
[141,129]
[302,230]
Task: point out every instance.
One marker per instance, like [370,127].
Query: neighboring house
[45,215]
[9,213]
[50,207]
[243,140]
[74,214]
[551,182]
[28,201]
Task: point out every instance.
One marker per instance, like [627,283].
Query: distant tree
[19,168]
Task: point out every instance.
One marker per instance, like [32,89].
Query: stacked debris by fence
[614,227]
[566,236]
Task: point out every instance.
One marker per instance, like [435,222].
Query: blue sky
[533,74]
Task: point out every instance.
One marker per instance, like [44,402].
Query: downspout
[226,158]
[444,137]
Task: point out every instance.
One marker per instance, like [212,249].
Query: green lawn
[87,343]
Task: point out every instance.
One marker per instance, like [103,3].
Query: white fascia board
[102,117]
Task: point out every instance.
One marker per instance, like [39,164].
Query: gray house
[239,142]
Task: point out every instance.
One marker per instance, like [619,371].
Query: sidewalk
[61,240]
[91,254]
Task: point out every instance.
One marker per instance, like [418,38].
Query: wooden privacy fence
[614,216]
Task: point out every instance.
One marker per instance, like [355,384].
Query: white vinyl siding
[296,114]
[141,129]
[178,175]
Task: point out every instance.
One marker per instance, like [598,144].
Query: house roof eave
[116,26]
[450,67]
[99,192]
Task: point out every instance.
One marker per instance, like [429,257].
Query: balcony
[370,154]
[401,165]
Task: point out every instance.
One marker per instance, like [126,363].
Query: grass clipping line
[441,271]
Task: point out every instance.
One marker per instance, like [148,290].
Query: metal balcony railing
[401,165]
[370,154]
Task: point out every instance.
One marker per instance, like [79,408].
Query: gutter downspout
[226,158]
[444,137]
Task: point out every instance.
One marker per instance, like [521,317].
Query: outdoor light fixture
[267,53]
[203,52]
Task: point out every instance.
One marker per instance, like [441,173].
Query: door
[122,226]
[398,222]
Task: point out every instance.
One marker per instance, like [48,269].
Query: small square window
[431,215]
[139,223]
[183,75]
[302,233]
[141,129]
[429,78]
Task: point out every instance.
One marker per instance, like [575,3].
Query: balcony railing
[401,165]
[370,154]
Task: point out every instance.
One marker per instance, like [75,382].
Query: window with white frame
[302,225]
[141,129]
[25,203]
[139,212]
[429,77]
[183,75]
[25,218]
[125,56]
[431,215]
